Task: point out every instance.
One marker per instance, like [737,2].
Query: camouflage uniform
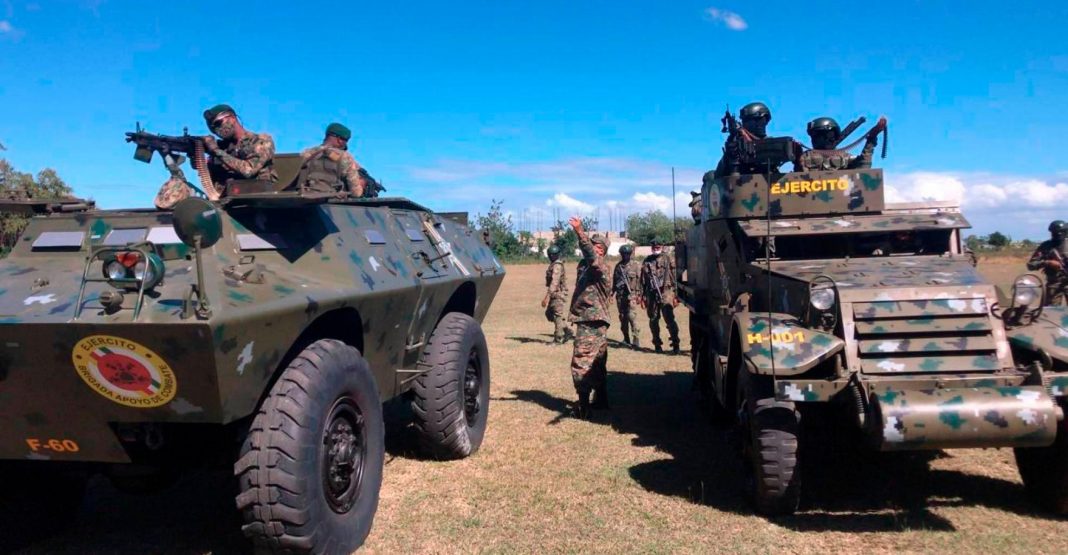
[252,157]
[589,311]
[1056,280]
[660,268]
[556,311]
[626,285]
[327,169]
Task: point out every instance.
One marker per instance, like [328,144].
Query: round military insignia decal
[124,371]
[714,201]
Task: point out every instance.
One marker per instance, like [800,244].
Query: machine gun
[849,129]
[740,146]
[167,145]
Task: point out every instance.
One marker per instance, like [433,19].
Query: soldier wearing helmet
[825,135]
[1050,257]
[658,298]
[626,286]
[555,300]
[755,117]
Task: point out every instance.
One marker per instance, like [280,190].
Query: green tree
[999,240]
[20,185]
[654,224]
[974,243]
[502,236]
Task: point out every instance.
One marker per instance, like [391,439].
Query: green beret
[339,130]
[599,239]
[211,113]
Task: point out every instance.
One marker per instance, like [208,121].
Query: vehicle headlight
[1026,291]
[114,270]
[822,298]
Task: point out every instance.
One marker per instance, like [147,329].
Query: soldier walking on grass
[589,311]
[1051,257]
[555,300]
[658,288]
[626,286]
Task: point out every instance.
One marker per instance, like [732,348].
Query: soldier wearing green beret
[239,153]
[330,167]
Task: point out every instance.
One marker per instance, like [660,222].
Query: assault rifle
[624,287]
[373,185]
[658,284]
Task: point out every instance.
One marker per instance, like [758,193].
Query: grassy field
[651,476]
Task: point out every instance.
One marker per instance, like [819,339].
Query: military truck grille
[925,336]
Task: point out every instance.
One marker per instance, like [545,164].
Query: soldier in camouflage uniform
[1050,257]
[330,167]
[240,154]
[589,311]
[755,117]
[626,286]
[555,300]
[658,288]
[824,133]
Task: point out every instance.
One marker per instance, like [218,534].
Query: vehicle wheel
[1044,471]
[451,399]
[707,366]
[311,464]
[59,494]
[769,432]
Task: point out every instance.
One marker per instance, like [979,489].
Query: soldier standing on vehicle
[555,300]
[755,117]
[825,135]
[626,286]
[589,311]
[658,295]
[239,154]
[330,167]
[1050,257]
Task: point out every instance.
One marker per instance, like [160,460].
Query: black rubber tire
[37,502]
[282,493]
[705,365]
[444,429]
[770,437]
[1044,471]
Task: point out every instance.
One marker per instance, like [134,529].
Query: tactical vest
[563,278]
[321,173]
[825,160]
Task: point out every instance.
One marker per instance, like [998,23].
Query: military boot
[600,397]
[582,411]
[675,349]
[637,345]
[658,348]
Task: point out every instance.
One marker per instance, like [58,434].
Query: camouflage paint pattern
[557,310]
[381,272]
[855,224]
[1048,333]
[626,286]
[796,348]
[249,158]
[589,361]
[348,169]
[975,417]
[796,194]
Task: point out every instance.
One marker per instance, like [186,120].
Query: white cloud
[567,202]
[731,20]
[644,202]
[6,27]
[979,192]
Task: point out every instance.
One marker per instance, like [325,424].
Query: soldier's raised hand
[575,222]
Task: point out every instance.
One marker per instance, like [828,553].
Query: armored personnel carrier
[809,289]
[262,332]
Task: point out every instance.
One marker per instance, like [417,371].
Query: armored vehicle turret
[262,332]
[809,289]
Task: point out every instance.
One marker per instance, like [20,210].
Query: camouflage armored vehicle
[808,289]
[262,332]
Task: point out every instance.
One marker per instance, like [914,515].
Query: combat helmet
[626,249]
[755,118]
[824,132]
[1058,227]
[553,251]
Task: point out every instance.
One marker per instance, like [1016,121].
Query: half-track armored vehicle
[261,332]
[809,289]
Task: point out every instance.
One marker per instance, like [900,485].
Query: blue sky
[568,106]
